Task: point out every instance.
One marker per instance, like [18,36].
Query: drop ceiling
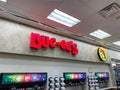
[85,10]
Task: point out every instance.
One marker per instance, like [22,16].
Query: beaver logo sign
[102,54]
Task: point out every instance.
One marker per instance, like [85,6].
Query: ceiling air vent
[111,12]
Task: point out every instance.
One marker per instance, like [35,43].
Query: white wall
[54,67]
[15,38]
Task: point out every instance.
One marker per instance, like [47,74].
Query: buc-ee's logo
[102,54]
[38,41]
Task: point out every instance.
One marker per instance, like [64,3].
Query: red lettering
[68,46]
[63,44]
[52,42]
[35,41]
[45,41]
[74,49]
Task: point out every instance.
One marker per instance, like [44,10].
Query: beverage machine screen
[74,76]
[16,78]
[102,78]
[77,78]
[22,79]
[102,75]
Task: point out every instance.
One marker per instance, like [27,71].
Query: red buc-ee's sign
[38,41]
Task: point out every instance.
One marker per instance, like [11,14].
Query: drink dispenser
[74,79]
[23,81]
[102,78]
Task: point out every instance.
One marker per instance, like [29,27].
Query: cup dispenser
[23,81]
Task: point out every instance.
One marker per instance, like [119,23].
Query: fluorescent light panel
[3,1]
[117,43]
[100,34]
[63,18]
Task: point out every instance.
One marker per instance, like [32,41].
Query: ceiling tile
[97,20]
[75,9]
[83,1]
[38,9]
[113,28]
[117,1]
[82,28]
[43,9]
[99,4]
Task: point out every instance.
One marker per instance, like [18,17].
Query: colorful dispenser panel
[16,78]
[74,79]
[103,78]
[102,75]
[74,76]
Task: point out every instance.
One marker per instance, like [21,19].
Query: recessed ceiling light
[100,34]
[3,1]
[63,18]
[117,43]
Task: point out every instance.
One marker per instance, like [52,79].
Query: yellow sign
[102,54]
